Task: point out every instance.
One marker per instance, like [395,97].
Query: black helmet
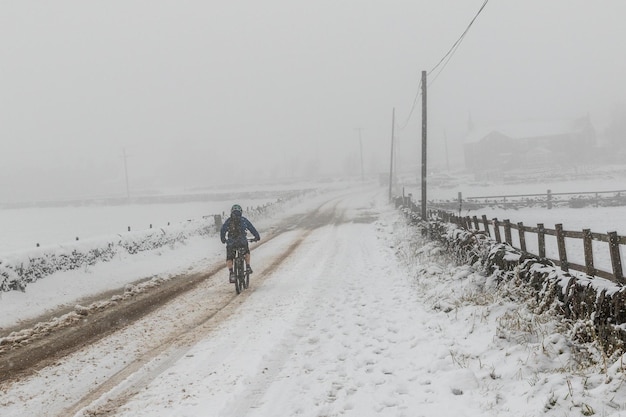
[236,209]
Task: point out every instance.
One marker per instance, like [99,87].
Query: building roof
[531,129]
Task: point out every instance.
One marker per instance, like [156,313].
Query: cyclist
[236,226]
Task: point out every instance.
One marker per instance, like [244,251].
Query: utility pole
[424,136]
[393,124]
[359,129]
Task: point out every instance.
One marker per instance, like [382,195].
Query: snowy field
[50,226]
[558,181]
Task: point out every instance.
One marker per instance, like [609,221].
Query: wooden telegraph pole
[424,126]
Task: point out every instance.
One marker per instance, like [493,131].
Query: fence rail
[548,199]
[505,228]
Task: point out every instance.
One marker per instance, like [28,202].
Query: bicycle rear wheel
[239,275]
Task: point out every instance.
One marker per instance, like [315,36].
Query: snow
[363,318]
[558,179]
[52,226]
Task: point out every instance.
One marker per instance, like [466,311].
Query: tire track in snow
[225,357]
[324,263]
[348,350]
[318,262]
[122,386]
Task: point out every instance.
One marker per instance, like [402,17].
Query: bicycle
[242,276]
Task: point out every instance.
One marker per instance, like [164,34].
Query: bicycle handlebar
[250,239]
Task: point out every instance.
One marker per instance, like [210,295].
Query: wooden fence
[505,229]
[548,199]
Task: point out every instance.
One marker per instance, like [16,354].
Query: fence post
[616,259]
[476,226]
[560,242]
[486,224]
[468,223]
[496,229]
[522,236]
[588,247]
[507,232]
[549,199]
[217,219]
[541,240]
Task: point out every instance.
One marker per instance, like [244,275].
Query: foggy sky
[199,93]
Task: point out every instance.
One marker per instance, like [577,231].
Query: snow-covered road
[339,327]
[332,331]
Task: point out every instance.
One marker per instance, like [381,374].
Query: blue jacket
[241,240]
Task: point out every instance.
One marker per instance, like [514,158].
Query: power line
[445,58]
[456,44]
[417,95]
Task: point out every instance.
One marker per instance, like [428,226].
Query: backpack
[234,228]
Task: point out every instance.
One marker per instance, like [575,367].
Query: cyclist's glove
[223,240]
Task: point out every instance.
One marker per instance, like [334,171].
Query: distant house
[528,144]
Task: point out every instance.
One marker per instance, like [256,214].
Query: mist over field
[140,97]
